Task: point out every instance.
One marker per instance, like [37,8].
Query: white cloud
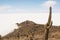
[49,3]
[11,9]
[4,7]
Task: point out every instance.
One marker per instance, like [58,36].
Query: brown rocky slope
[27,29]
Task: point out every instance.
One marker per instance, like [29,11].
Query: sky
[17,11]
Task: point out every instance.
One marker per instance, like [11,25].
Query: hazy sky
[16,11]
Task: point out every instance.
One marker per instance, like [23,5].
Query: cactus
[48,25]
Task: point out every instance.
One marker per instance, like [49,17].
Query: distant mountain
[28,29]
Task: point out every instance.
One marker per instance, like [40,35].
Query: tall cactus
[48,25]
